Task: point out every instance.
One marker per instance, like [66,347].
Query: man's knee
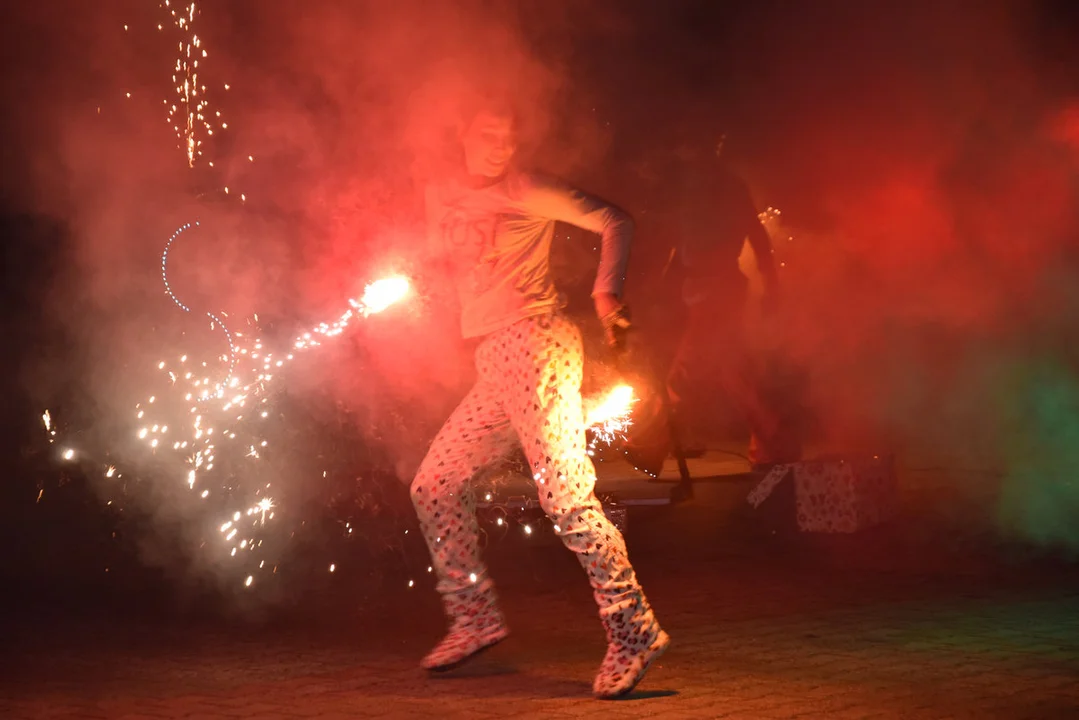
[420,491]
[570,515]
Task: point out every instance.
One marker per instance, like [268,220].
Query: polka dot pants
[529,391]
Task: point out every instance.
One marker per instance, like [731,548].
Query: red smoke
[921,156]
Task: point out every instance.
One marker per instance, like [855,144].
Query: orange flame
[610,418]
[380,294]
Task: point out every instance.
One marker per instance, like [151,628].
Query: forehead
[492,121]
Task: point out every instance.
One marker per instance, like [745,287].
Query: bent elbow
[621,222]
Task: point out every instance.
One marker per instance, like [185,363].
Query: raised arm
[762,248]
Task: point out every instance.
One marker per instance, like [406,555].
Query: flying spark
[610,418]
[202,413]
[190,115]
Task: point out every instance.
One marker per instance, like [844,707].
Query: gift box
[836,495]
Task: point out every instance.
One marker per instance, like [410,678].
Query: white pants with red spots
[528,390]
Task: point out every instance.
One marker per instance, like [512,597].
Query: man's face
[489,144]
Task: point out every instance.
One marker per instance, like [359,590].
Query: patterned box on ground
[836,495]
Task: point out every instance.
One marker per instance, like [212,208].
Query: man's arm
[762,247]
[558,201]
[762,250]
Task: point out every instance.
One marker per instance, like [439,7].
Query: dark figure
[713,216]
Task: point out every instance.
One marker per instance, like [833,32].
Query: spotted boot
[476,624]
[634,641]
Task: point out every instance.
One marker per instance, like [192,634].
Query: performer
[492,227]
[716,217]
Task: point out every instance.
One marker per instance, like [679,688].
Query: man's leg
[691,386]
[476,434]
[736,376]
[678,382]
[719,346]
[543,401]
[779,389]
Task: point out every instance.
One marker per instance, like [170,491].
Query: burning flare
[380,294]
[610,418]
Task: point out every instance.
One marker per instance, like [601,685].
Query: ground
[766,623]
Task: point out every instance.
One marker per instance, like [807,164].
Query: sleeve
[554,200]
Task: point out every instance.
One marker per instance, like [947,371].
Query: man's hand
[615,318]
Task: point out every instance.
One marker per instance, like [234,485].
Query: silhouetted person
[713,217]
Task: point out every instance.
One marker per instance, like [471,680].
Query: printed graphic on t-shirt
[470,239]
